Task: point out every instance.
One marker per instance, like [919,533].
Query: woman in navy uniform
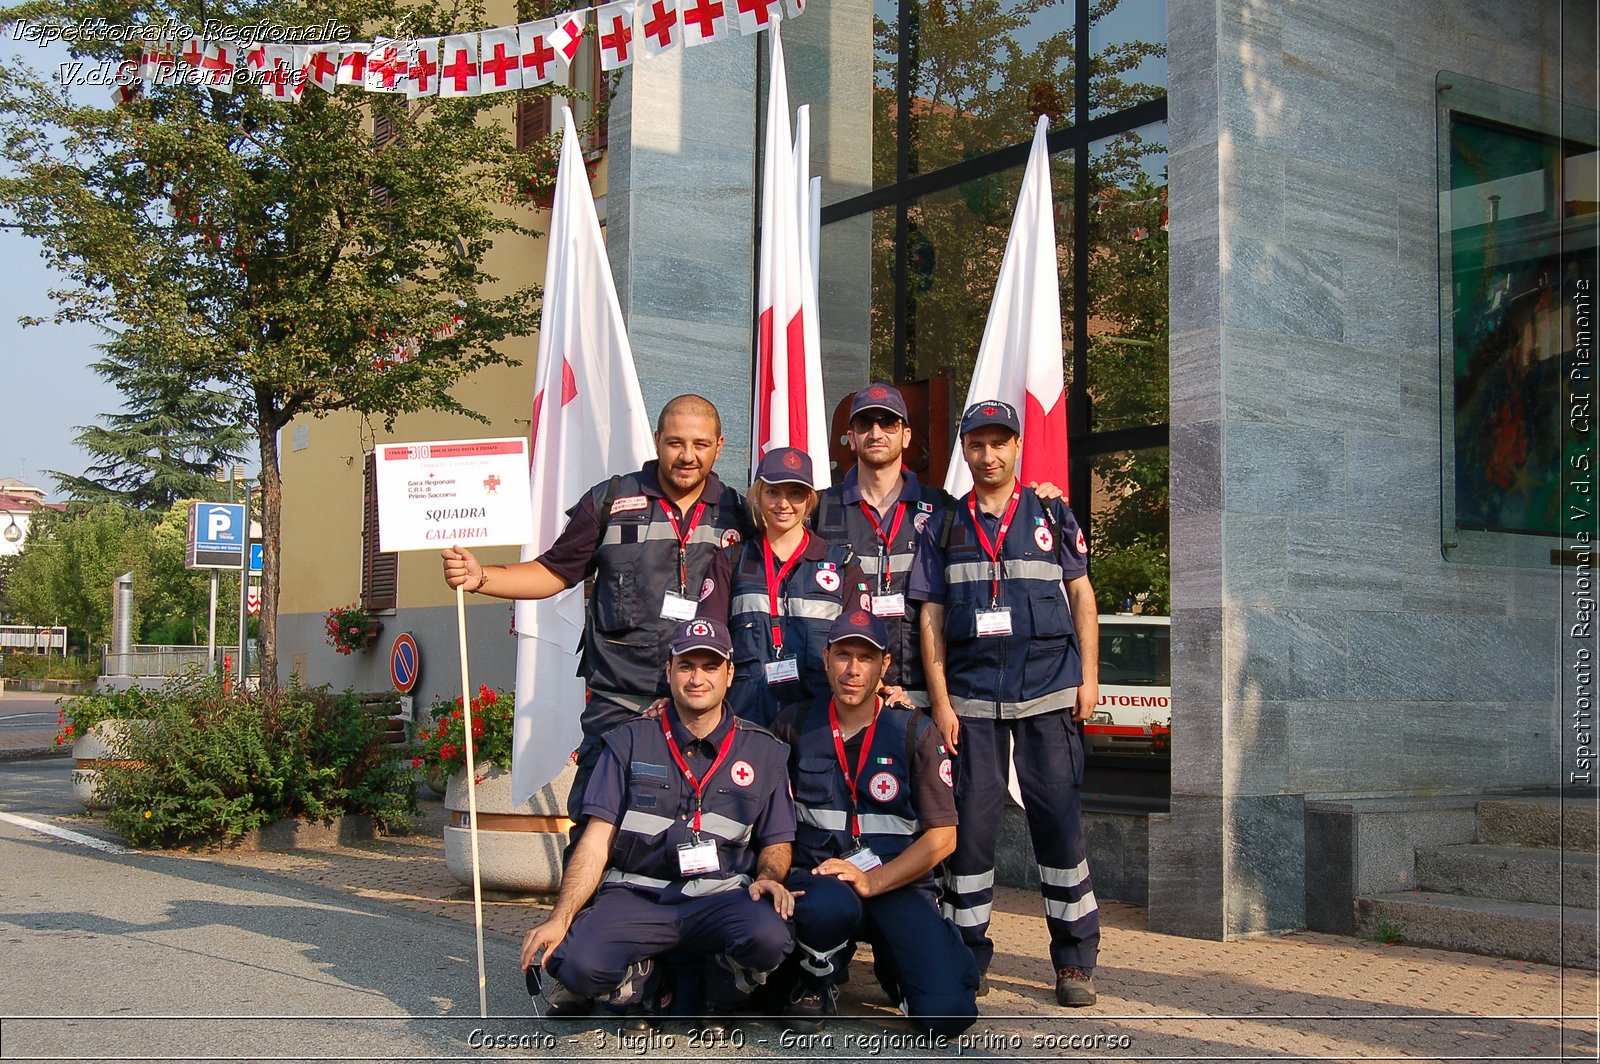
[780,592]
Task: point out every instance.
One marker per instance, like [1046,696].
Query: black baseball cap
[701,633]
[785,465]
[859,624]
[878,396]
[991,412]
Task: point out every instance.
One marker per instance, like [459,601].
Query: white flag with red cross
[788,404]
[216,65]
[659,29]
[255,61]
[353,63]
[500,60]
[126,86]
[1020,357]
[538,54]
[388,63]
[589,421]
[567,37]
[191,51]
[322,66]
[757,15]
[283,82]
[794,8]
[422,69]
[458,68]
[615,26]
[703,21]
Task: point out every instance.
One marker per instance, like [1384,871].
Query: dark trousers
[623,927]
[918,955]
[1049,760]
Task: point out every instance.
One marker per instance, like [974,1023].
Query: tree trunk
[271,521]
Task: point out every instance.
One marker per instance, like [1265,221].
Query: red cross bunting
[278,78]
[256,56]
[756,7]
[193,51]
[538,56]
[460,70]
[703,15]
[388,65]
[500,65]
[323,68]
[662,24]
[617,41]
[423,68]
[218,63]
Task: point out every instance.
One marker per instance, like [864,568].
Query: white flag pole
[472,798]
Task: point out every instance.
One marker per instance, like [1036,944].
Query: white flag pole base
[472,799]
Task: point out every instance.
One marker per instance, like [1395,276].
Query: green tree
[273,253]
[166,443]
[67,571]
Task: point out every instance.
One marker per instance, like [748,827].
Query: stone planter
[519,850]
[327,833]
[102,744]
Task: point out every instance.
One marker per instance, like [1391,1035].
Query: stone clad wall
[1322,646]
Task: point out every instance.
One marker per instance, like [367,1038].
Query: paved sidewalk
[1299,995]
[28,724]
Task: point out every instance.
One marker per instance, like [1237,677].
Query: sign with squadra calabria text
[466,493]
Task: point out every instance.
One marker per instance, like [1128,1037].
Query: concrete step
[1538,875]
[1569,824]
[1547,934]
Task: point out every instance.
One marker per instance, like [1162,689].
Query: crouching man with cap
[876,810]
[685,850]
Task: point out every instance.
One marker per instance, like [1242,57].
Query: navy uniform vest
[624,635]
[810,599]
[1036,668]
[841,522]
[658,812]
[884,797]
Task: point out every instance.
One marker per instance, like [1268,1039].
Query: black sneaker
[1075,987]
[808,1006]
[639,1019]
[561,1003]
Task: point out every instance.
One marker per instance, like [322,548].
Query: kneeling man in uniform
[872,790]
[688,840]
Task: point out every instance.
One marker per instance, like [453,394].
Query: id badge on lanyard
[889,605]
[863,858]
[676,607]
[883,603]
[697,858]
[995,621]
[783,670]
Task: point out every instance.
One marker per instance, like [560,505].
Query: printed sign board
[468,493]
[217,536]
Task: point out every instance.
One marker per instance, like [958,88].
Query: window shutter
[533,122]
[380,572]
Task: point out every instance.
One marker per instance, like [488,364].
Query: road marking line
[62,833]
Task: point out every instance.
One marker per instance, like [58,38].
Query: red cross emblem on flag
[498,65]
[703,16]
[324,71]
[884,787]
[424,65]
[538,58]
[754,16]
[616,43]
[742,773]
[660,27]
[491,483]
[193,51]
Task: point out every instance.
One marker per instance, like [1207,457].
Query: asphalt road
[27,720]
[111,954]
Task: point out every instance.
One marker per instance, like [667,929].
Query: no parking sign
[405,663]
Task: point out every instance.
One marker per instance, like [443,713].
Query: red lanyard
[993,551]
[683,541]
[861,762]
[887,541]
[699,785]
[776,579]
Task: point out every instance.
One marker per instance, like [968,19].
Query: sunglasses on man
[885,420]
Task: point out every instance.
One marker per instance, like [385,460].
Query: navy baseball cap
[991,412]
[785,465]
[701,634]
[876,396]
[859,624]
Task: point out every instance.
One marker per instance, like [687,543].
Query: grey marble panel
[1197,716]
[1256,754]
[1256,369]
[1352,42]
[1196,468]
[1280,288]
[1191,73]
[1264,839]
[1254,198]
[1338,564]
[1195,376]
[1352,213]
[1396,306]
[1288,654]
[1403,657]
[1330,870]
[1193,193]
[1186,867]
[1506,658]
[1273,470]
[1196,560]
[1394,480]
[1257,562]
[1194,296]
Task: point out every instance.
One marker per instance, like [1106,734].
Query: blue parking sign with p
[218,536]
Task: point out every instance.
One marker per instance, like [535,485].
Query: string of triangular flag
[523,56]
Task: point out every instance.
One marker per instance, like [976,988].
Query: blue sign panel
[218,533]
[258,557]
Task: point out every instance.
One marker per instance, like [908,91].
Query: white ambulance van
[1135,712]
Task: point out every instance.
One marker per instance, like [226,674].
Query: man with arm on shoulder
[1010,644]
